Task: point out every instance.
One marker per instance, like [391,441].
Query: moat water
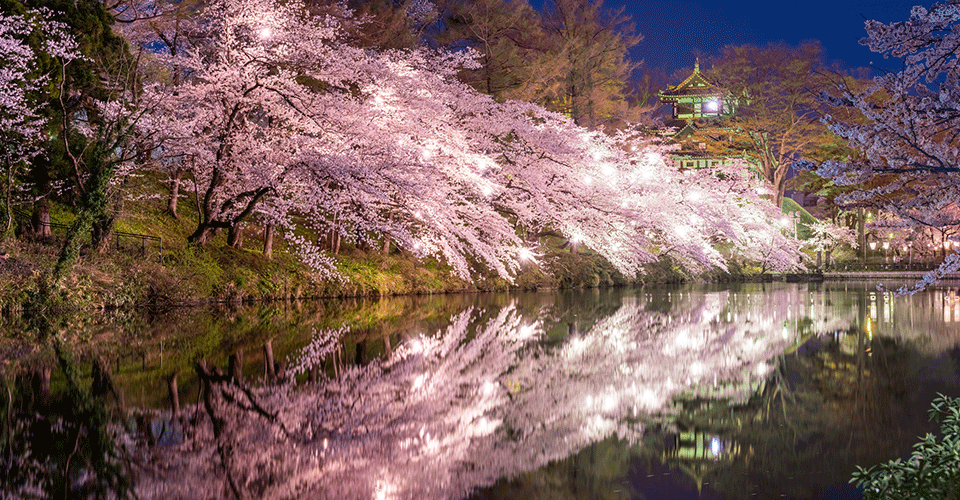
[737,391]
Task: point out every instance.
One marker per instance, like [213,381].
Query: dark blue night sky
[676,30]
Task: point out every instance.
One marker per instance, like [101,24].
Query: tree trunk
[386,245]
[268,241]
[174,394]
[360,357]
[41,386]
[236,365]
[175,193]
[203,234]
[6,207]
[235,236]
[41,218]
[101,383]
[862,234]
[271,371]
[101,230]
[92,209]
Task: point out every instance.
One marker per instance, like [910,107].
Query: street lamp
[793,217]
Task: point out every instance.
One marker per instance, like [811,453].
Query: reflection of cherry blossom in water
[443,415]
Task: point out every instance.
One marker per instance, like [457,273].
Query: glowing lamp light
[525,254]
[265,33]
[527,331]
[886,245]
[715,446]
[873,245]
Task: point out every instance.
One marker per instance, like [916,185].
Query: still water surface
[697,391]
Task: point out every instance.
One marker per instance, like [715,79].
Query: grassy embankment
[217,273]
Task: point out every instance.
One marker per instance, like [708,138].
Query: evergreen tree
[571,57]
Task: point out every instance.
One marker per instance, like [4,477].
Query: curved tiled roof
[695,85]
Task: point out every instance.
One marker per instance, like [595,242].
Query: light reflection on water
[855,392]
[732,392]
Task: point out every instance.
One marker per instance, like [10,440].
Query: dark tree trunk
[41,218]
[235,236]
[203,234]
[101,384]
[101,230]
[145,425]
[236,365]
[41,386]
[361,355]
[361,243]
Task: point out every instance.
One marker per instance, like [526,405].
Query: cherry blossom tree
[21,82]
[276,115]
[913,120]
[825,237]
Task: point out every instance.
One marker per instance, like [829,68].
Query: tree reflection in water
[857,395]
[443,415]
[738,392]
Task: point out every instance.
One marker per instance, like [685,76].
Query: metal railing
[24,221]
[885,266]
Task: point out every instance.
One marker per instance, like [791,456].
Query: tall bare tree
[778,120]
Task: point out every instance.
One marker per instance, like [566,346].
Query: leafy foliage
[933,470]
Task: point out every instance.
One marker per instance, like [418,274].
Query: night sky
[675,30]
